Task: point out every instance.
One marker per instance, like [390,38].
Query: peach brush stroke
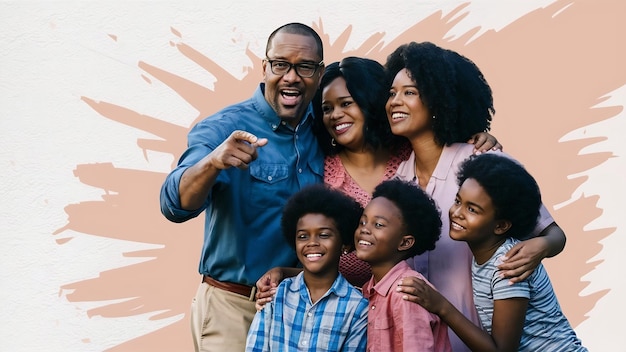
[547,74]
[129,210]
[538,70]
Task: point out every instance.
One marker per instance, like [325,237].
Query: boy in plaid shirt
[317,310]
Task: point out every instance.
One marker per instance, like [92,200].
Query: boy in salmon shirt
[400,221]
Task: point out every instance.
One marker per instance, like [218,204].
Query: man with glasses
[241,166]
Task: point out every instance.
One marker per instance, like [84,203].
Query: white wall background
[53,53]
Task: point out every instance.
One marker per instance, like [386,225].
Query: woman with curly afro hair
[437,98]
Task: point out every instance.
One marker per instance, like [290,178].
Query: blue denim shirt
[242,234]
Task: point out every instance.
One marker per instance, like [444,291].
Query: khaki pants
[220,320]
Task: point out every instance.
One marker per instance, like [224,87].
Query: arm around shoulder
[555,237]
[524,257]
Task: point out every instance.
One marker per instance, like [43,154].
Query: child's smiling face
[380,231]
[318,244]
[472,215]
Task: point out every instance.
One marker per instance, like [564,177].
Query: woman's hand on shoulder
[521,260]
[483,142]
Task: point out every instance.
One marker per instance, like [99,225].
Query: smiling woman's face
[342,117]
[406,113]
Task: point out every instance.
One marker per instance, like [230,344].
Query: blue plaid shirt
[336,322]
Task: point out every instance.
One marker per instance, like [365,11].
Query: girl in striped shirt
[496,206]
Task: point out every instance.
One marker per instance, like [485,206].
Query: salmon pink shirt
[394,324]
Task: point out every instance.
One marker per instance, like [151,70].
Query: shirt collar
[339,287]
[268,113]
[390,279]
[446,161]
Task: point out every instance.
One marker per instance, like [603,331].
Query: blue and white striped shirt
[336,322]
[545,326]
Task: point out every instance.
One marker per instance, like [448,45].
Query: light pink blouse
[448,266]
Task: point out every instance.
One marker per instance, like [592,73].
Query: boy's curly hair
[420,214]
[321,199]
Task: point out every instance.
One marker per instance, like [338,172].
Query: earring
[333,142]
[434,117]
[345,251]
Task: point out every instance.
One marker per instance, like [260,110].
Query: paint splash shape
[536,67]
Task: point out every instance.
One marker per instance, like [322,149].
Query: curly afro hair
[420,214]
[450,85]
[321,199]
[513,191]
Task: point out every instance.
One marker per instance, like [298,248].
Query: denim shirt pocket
[269,186]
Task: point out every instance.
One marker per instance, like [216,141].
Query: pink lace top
[356,271]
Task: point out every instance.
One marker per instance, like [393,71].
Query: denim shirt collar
[268,113]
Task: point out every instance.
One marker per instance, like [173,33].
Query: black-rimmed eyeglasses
[303,69]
